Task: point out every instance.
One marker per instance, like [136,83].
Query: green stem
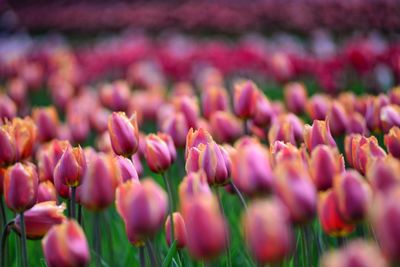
[152,256]
[23,240]
[4,236]
[73,198]
[142,258]
[171,207]
[97,238]
[239,194]
[80,215]
[221,207]
[3,211]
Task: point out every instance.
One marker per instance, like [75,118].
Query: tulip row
[257,151]
[221,16]
[145,62]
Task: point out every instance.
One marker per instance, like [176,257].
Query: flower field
[173,149]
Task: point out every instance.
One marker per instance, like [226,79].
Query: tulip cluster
[213,170]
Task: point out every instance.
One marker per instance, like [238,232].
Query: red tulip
[267,230]
[65,245]
[20,186]
[124,133]
[330,218]
[40,218]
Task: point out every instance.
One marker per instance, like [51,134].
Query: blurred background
[331,45]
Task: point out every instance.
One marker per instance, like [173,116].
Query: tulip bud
[295,97]
[282,130]
[179,230]
[358,252]
[46,192]
[40,218]
[245,99]
[318,107]
[330,217]
[8,151]
[373,112]
[354,195]
[389,117]
[20,186]
[318,134]
[66,245]
[128,170]
[99,119]
[267,231]
[192,185]
[296,190]
[384,174]
[124,133]
[143,208]
[251,169]
[392,142]
[264,112]
[157,154]
[115,96]
[214,99]
[325,163]
[356,124]
[25,133]
[8,109]
[99,183]
[47,122]
[71,167]
[188,106]
[206,228]
[225,127]
[78,124]
[337,118]
[195,138]
[384,216]
[47,156]
[170,143]
[177,127]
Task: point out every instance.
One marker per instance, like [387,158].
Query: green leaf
[171,253]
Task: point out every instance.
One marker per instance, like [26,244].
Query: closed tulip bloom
[330,217]
[338,119]
[287,152]
[356,124]
[225,127]
[98,119]
[318,107]
[46,192]
[267,231]
[143,207]
[157,154]
[40,218]
[245,99]
[8,151]
[325,163]
[47,121]
[192,185]
[179,230]
[189,107]
[385,214]
[384,174]
[264,112]
[282,130]
[78,124]
[101,179]
[295,97]
[48,156]
[8,108]
[170,143]
[354,195]
[294,187]
[392,142]
[25,133]
[206,228]
[127,169]
[176,126]
[115,96]
[20,187]
[215,162]
[373,112]
[65,245]
[318,134]
[71,167]
[214,99]
[390,116]
[124,133]
[251,169]
[195,138]
[358,252]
